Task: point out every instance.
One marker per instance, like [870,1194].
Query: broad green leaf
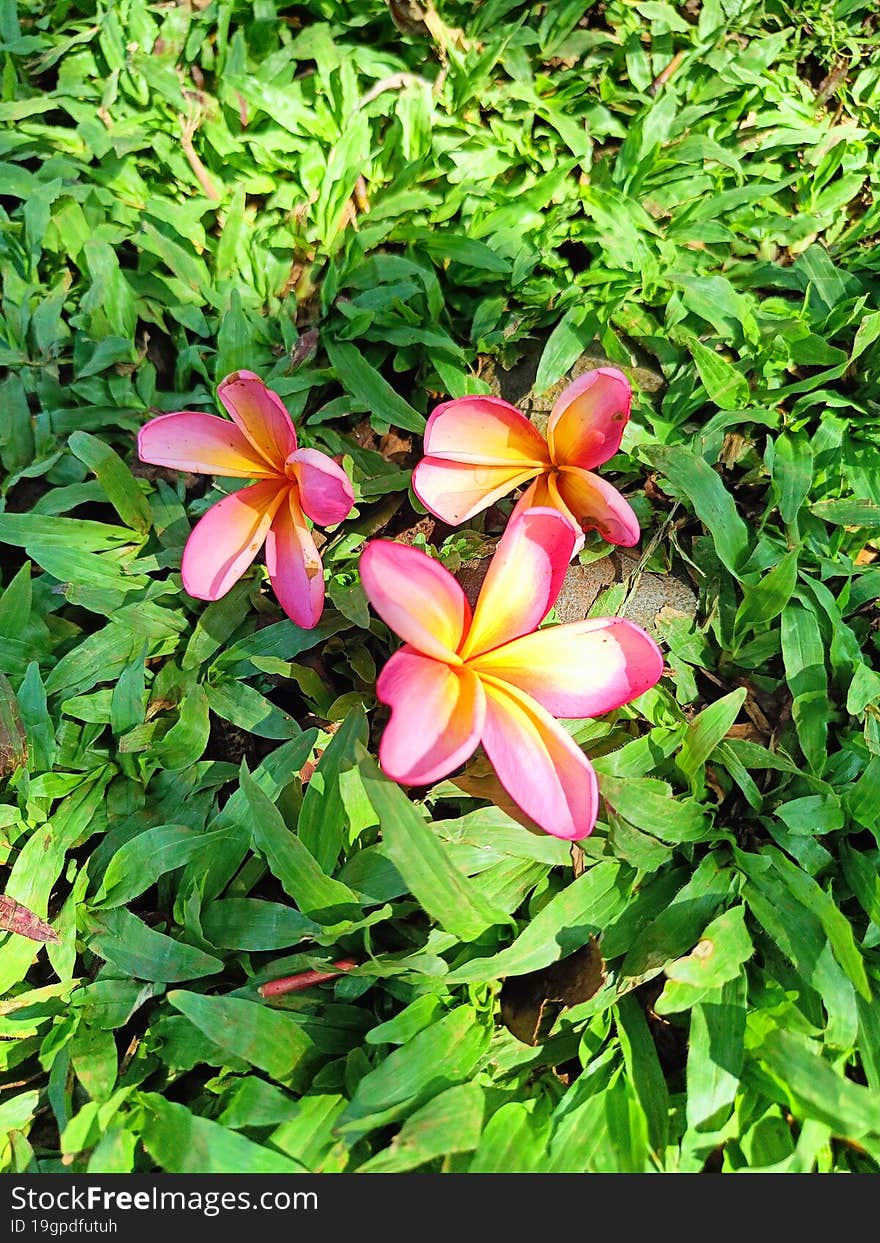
[583,907]
[418,1015]
[187,738]
[316,894]
[681,924]
[644,1070]
[134,949]
[803,651]
[269,1039]
[77,533]
[436,1058]
[792,473]
[696,481]
[216,623]
[371,389]
[566,343]
[39,864]
[122,489]
[181,1142]
[254,924]
[650,806]
[514,1141]
[716,1056]
[138,863]
[707,729]
[715,960]
[447,895]
[726,386]
[766,599]
[94,1059]
[251,1101]
[837,927]
[323,818]
[247,709]
[449,1123]
[854,513]
[800,936]
[308,1133]
[817,1090]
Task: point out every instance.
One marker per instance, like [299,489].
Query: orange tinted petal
[416,597]
[587,421]
[523,580]
[538,763]
[485,431]
[202,443]
[581,669]
[294,565]
[437,715]
[224,542]
[455,491]
[261,415]
[597,505]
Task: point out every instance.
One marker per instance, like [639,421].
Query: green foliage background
[365,207]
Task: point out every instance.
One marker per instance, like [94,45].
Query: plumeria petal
[261,415]
[294,564]
[224,542]
[587,421]
[325,491]
[203,443]
[485,431]
[416,597]
[455,491]
[544,493]
[437,716]
[581,669]
[523,580]
[598,505]
[538,763]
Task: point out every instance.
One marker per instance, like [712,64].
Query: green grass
[374,217]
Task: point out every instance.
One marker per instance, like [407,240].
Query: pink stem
[304,979]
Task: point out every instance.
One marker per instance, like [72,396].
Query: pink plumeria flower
[293,484]
[477,449]
[493,678]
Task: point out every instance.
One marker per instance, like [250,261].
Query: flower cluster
[462,679]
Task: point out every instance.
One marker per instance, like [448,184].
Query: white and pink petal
[416,596]
[437,715]
[538,763]
[588,419]
[581,669]
[226,539]
[204,444]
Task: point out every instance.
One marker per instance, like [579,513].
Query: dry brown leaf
[480,781]
[13,739]
[17,918]
[395,448]
[531,1003]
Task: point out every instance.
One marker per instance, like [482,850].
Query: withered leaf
[395,448]
[479,781]
[17,918]
[13,739]
[530,1004]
